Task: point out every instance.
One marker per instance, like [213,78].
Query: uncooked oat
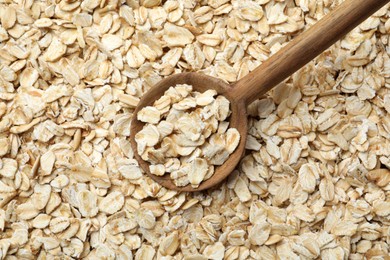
[313,184]
[189,127]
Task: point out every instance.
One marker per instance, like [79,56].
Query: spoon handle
[304,48]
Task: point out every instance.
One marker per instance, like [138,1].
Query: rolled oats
[87,203]
[215,251]
[314,180]
[111,203]
[196,118]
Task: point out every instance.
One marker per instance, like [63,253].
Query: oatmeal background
[314,182]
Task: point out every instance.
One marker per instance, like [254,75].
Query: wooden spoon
[274,70]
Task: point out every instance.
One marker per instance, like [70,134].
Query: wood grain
[305,48]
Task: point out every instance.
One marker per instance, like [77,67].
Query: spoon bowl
[201,83]
[274,70]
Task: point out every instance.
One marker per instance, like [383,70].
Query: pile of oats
[315,179]
[186,134]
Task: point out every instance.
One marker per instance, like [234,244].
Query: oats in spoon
[186,134]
